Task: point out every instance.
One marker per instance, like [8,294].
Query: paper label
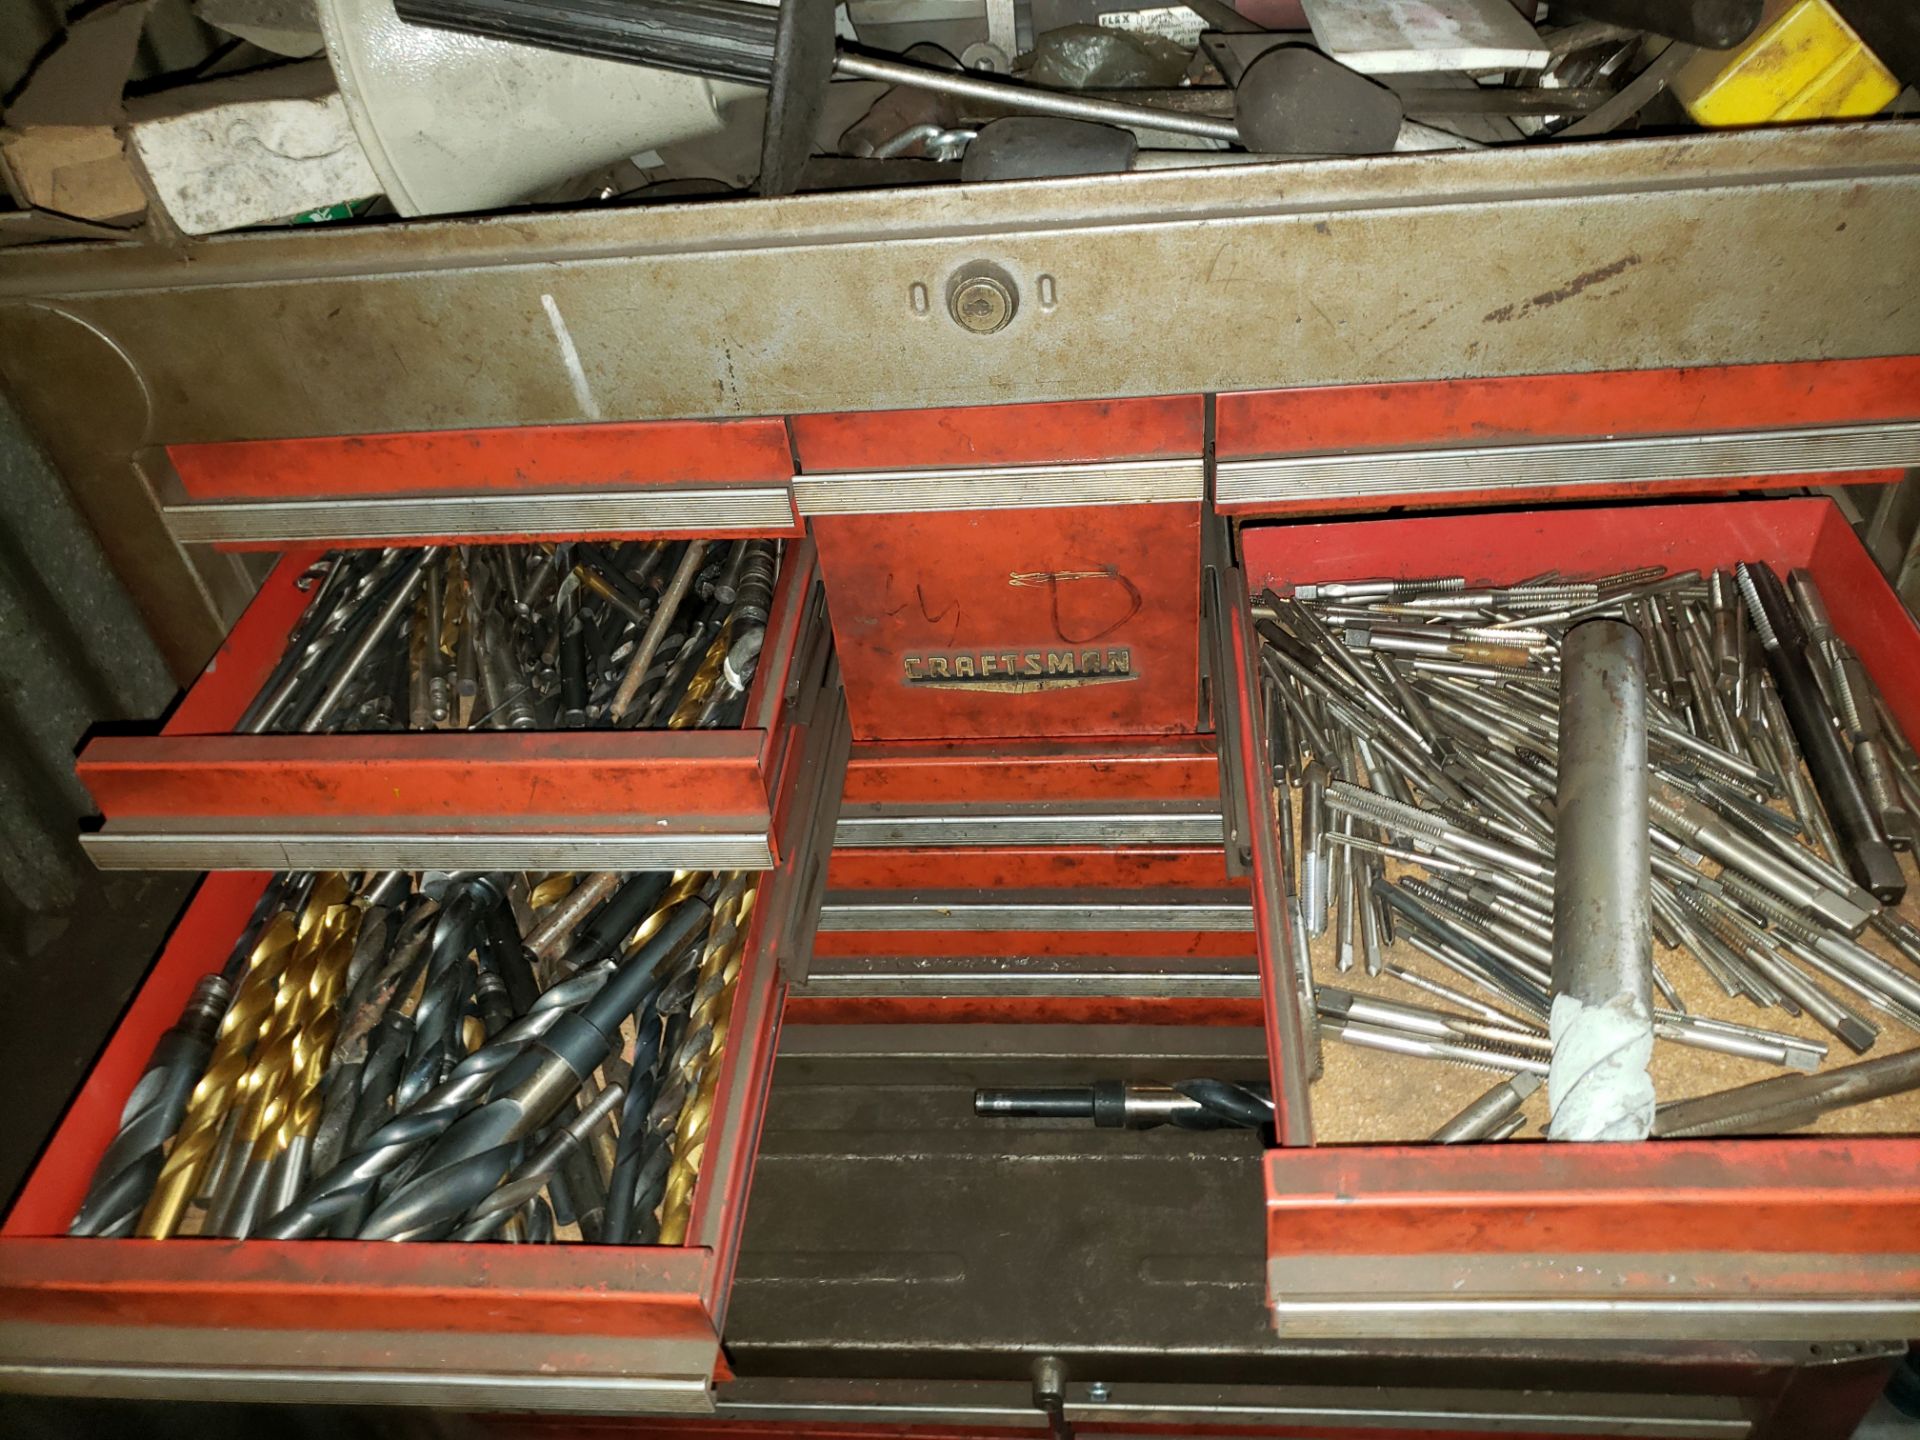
[1176,22]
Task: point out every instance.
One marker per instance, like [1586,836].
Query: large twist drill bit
[449,986]
[213,1093]
[475,1153]
[714,987]
[380,987]
[289,1059]
[126,1173]
[643,1081]
[534,1173]
[401,1138]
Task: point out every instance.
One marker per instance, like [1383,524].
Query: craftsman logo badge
[1021,672]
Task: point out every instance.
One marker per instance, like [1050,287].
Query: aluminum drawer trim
[864,827]
[470,1390]
[126,848]
[425,517]
[1037,977]
[1001,487]
[1569,463]
[1181,912]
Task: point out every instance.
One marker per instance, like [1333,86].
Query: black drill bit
[1201,1104]
[125,1175]
[402,1138]
[476,1151]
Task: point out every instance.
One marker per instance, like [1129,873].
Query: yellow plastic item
[1803,63]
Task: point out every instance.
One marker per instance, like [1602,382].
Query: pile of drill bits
[568,636]
[467,1056]
[1415,735]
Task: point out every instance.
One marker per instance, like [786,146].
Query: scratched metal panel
[1691,250]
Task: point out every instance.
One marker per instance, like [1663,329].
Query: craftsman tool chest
[1007,757]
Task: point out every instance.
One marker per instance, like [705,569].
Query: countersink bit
[1602,1019]
[1199,1104]
[695,1065]
[475,1153]
[125,1175]
[1487,1114]
[1863,844]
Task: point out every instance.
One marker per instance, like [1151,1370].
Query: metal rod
[1602,1018]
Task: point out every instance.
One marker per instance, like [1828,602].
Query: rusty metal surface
[1629,254]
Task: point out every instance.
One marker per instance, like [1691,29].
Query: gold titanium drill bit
[705,679]
[194,1144]
[301,1019]
[313,1050]
[716,979]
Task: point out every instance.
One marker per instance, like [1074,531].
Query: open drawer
[568,1326]
[1809,1238]
[199,797]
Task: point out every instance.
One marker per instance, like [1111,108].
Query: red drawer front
[1019,570]
[517,1323]
[1834,421]
[1041,771]
[1063,621]
[1064,432]
[197,797]
[717,477]
[1790,1239]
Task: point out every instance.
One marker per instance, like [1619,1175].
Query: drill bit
[1199,1104]
[214,1092]
[534,1173]
[402,1137]
[475,1153]
[1862,842]
[382,986]
[288,1060]
[694,1063]
[126,1173]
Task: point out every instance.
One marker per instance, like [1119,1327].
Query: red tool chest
[985,816]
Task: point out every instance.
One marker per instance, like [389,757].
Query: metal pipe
[1602,1017]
